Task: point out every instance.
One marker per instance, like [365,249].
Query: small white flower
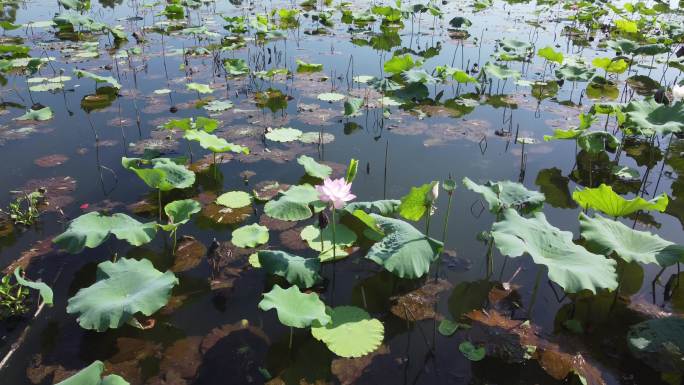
[678,93]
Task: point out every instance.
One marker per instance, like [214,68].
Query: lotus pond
[330,192]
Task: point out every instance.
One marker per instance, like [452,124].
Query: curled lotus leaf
[606,236]
[507,194]
[313,168]
[122,289]
[570,265]
[607,201]
[165,174]
[92,229]
[404,251]
[295,204]
[297,270]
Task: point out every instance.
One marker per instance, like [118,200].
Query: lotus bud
[434,192]
[322,220]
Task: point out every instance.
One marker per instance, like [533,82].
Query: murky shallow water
[201,337]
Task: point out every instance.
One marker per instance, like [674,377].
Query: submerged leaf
[92,375]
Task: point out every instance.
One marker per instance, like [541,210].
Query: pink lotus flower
[337,192]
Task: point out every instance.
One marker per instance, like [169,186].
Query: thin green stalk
[332,210]
[444,235]
[159,204]
[291,337]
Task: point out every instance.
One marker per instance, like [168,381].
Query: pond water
[416,126]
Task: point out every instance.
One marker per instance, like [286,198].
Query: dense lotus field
[200,192]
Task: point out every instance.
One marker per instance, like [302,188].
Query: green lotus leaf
[570,266]
[659,343]
[351,332]
[295,309]
[174,12]
[626,26]
[344,238]
[297,270]
[330,97]
[507,194]
[500,71]
[122,289]
[604,199]
[303,67]
[472,352]
[605,236]
[415,75]
[399,64]
[610,65]
[652,49]
[459,21]
[643,85]
[43,289]
[512,45]
[199,87]
[92,229]
[550,54]
[417,202]
[623,46]
[42,114]
[448,327]
[180,211]
[313,168]
[46,87]
[295,204]
[384,207]
[218,105]
[597,141]
[98,78]
[236,67]
[234,199]
[250,235]
[164,175]
[284,134]
[352,106]
[92,375]
[404,251]
[648,117]
[213,143]
[575,72]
